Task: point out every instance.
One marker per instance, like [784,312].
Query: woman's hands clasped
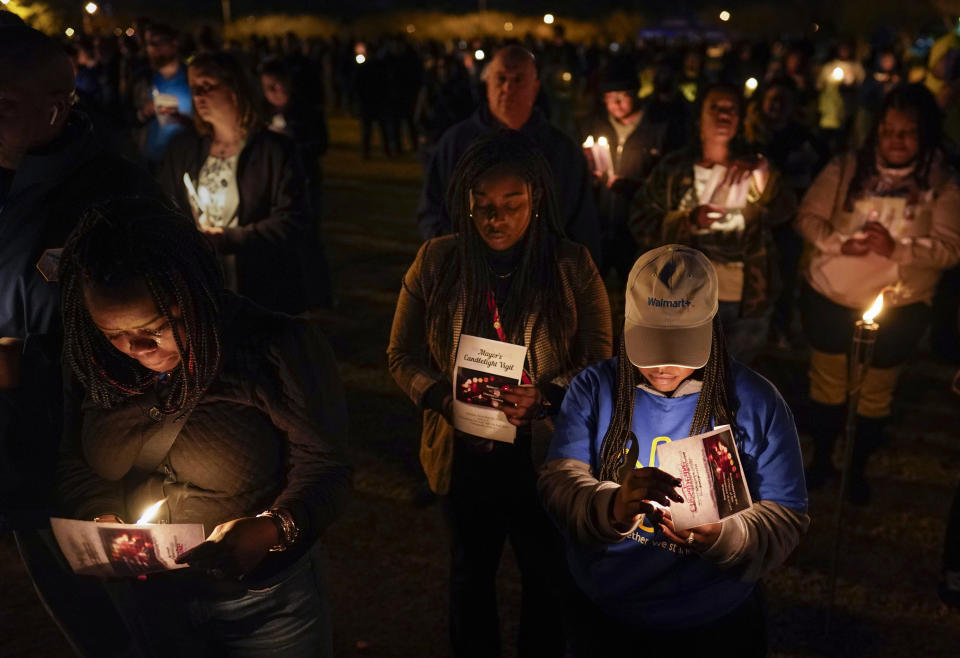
[234,548]
[875,237]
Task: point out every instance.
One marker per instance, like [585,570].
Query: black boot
[825,422]
[868,438]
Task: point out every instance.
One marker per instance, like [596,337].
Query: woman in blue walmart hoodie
[646,586]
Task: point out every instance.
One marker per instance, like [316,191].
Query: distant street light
[724,15]
[91,8]
[549,18]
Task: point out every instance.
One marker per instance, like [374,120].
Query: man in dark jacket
[637,141]
[512,86]
[51,170]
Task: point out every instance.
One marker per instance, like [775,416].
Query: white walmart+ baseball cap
[670,305]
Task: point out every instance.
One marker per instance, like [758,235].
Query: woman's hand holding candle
[878,239]
[234,548]
[705,215]
[641,487]
[874,237]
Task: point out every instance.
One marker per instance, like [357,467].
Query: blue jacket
[646,578]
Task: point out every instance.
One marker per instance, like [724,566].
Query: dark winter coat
[275,235]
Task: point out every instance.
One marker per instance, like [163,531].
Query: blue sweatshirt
[646,578]
[158,136]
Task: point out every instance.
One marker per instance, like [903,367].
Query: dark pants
[79,605]
[829,328]
[789,249]
[493,496]
[178,614]
[742,633]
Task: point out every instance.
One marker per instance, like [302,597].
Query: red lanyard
[501,334]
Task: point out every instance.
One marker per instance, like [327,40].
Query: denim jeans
[291,618]
[745,337]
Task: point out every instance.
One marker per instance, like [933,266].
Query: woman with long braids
[883,219]
[506,274]
[645,587]
[231,414]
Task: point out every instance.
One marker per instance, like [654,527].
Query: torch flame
[872,312]
[588,142]
[151,512]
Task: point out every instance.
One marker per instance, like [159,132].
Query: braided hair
[121,245]
[536,285]
[717,402]
[916,101]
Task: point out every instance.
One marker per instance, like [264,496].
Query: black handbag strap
[167,429]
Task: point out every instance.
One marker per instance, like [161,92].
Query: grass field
[388,558]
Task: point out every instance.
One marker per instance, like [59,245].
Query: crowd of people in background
[791,180]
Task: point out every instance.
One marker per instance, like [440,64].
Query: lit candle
[200,198]
[838,74]
[151,512]
[602,154]
[588,145]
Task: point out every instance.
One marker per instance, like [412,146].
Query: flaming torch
[861,354]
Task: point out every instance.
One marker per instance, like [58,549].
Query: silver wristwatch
[286,527]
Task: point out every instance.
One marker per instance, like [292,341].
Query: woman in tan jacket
[883,219]
[507,274]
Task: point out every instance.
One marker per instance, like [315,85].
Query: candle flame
[588,142]
[602,141]
[838,73]
[151,512]
[872,312]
